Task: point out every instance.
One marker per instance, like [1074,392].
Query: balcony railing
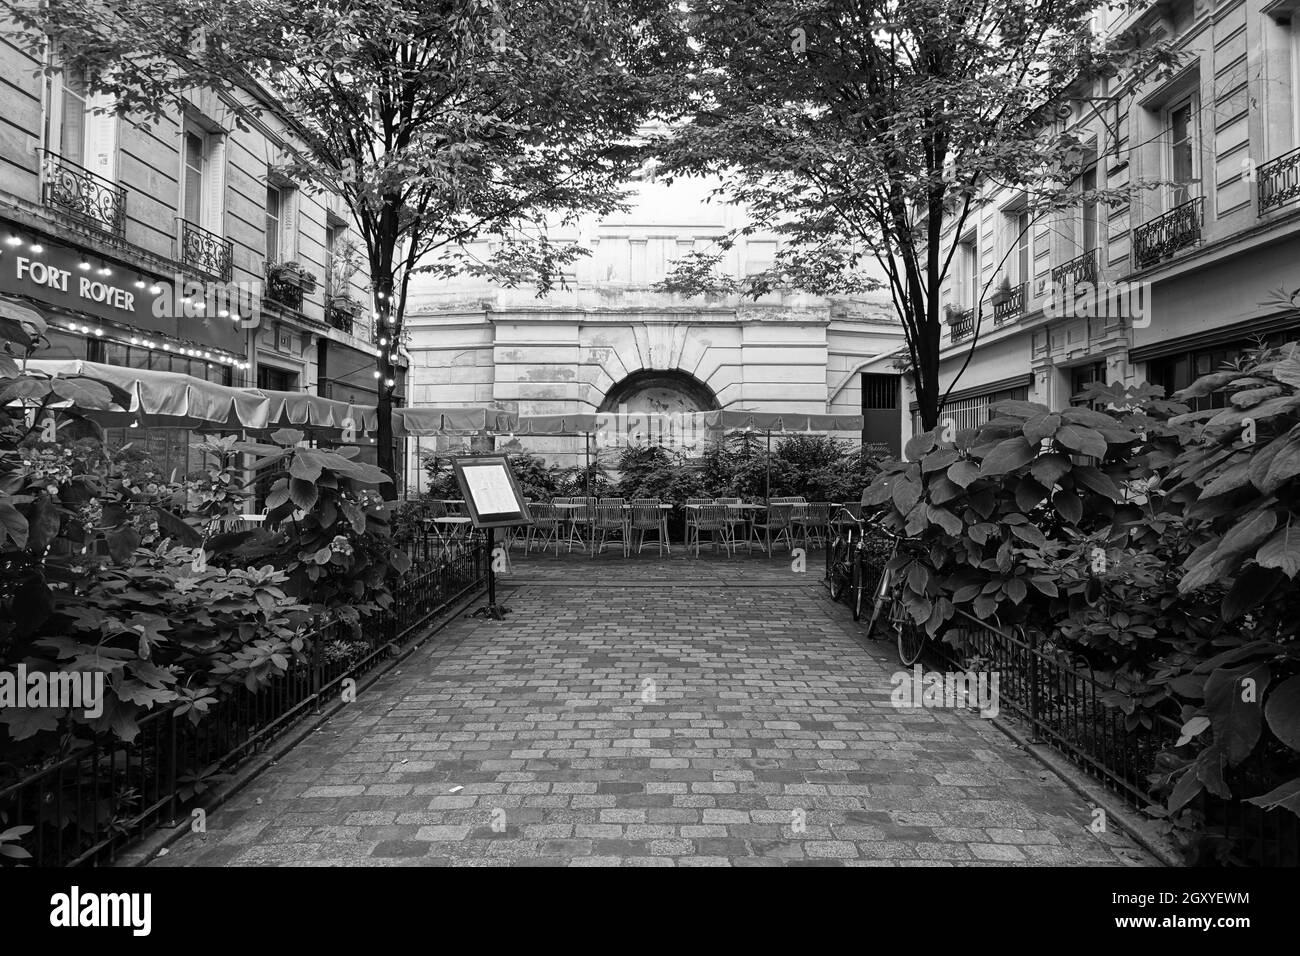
[77,192]
[1011,305]
[205,252]
[962,324]
[1078,271]
[1160,238]
[339,314]
[1279,181]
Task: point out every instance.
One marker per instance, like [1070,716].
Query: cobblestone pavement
[652,712]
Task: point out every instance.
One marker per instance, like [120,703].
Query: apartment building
[1199,269]
[176,246]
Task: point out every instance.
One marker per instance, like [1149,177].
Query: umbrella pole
[586,447]
[767,462]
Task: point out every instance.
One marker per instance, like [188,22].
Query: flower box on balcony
[345,304]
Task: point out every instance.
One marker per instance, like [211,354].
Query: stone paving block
[768,712]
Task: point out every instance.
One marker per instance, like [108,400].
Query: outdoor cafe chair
[548,521]
[735,517]
[810,523]
[609,519]
[582,523]
[716,520]
[453,529]
[613,501]
[646,517]
[692,514]
[777,520]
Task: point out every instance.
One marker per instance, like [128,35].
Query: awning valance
[173,399]
[686,422]
[158,398]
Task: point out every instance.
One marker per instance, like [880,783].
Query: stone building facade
[180,245]
[609,342]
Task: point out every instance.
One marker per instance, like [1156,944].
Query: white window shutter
[289,203]
[101,137]
[214,203]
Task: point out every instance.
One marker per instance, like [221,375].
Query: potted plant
[1002,293]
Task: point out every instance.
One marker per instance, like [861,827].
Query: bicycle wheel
[836,574]
[911,636]
[856,583]
[878,600]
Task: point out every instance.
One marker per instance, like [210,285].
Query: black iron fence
[86,807]
[1064,704]
[1279,181]
[962,324]
[1009,305]
[85,196]
[1164,235]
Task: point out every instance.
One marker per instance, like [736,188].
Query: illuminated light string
[224,358]
[155,288]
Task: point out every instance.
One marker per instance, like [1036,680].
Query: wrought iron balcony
[1160,238]
[1078,271]
[1279,181]
[1009,305]
[84,196]
[962,324]
[339,313]
[205,252]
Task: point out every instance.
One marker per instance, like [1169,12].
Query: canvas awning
[581,423]
[423,420]
[173,399]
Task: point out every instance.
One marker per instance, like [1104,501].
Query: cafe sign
[53,274]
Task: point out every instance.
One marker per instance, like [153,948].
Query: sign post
[495,500]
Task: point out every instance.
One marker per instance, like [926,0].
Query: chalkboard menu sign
[491,491]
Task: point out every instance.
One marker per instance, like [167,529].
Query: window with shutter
[273,203]
[193,185]
[72,122]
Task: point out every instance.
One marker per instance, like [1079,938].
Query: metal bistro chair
[776,520]
[693,514]
[453,527]
[810,523]
[548,522]
[582,526]
[609,518]
[650,517]
[716,520]
[613,501]
[517,531]
[735,517]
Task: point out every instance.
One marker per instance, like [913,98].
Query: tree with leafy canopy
[440,122]
[869,131]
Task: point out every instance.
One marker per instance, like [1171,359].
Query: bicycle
[844,564]
[846,568]
[909,635]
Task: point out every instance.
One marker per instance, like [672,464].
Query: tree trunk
[384,456]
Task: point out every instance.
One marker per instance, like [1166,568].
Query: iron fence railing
[1166,234]
[1010,305]
[1064,704]
[205,251]
[85,196]
[87,806]
[1279,181]
[962,324]
[1076,272]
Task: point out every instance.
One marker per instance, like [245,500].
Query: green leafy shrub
[1156,545]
